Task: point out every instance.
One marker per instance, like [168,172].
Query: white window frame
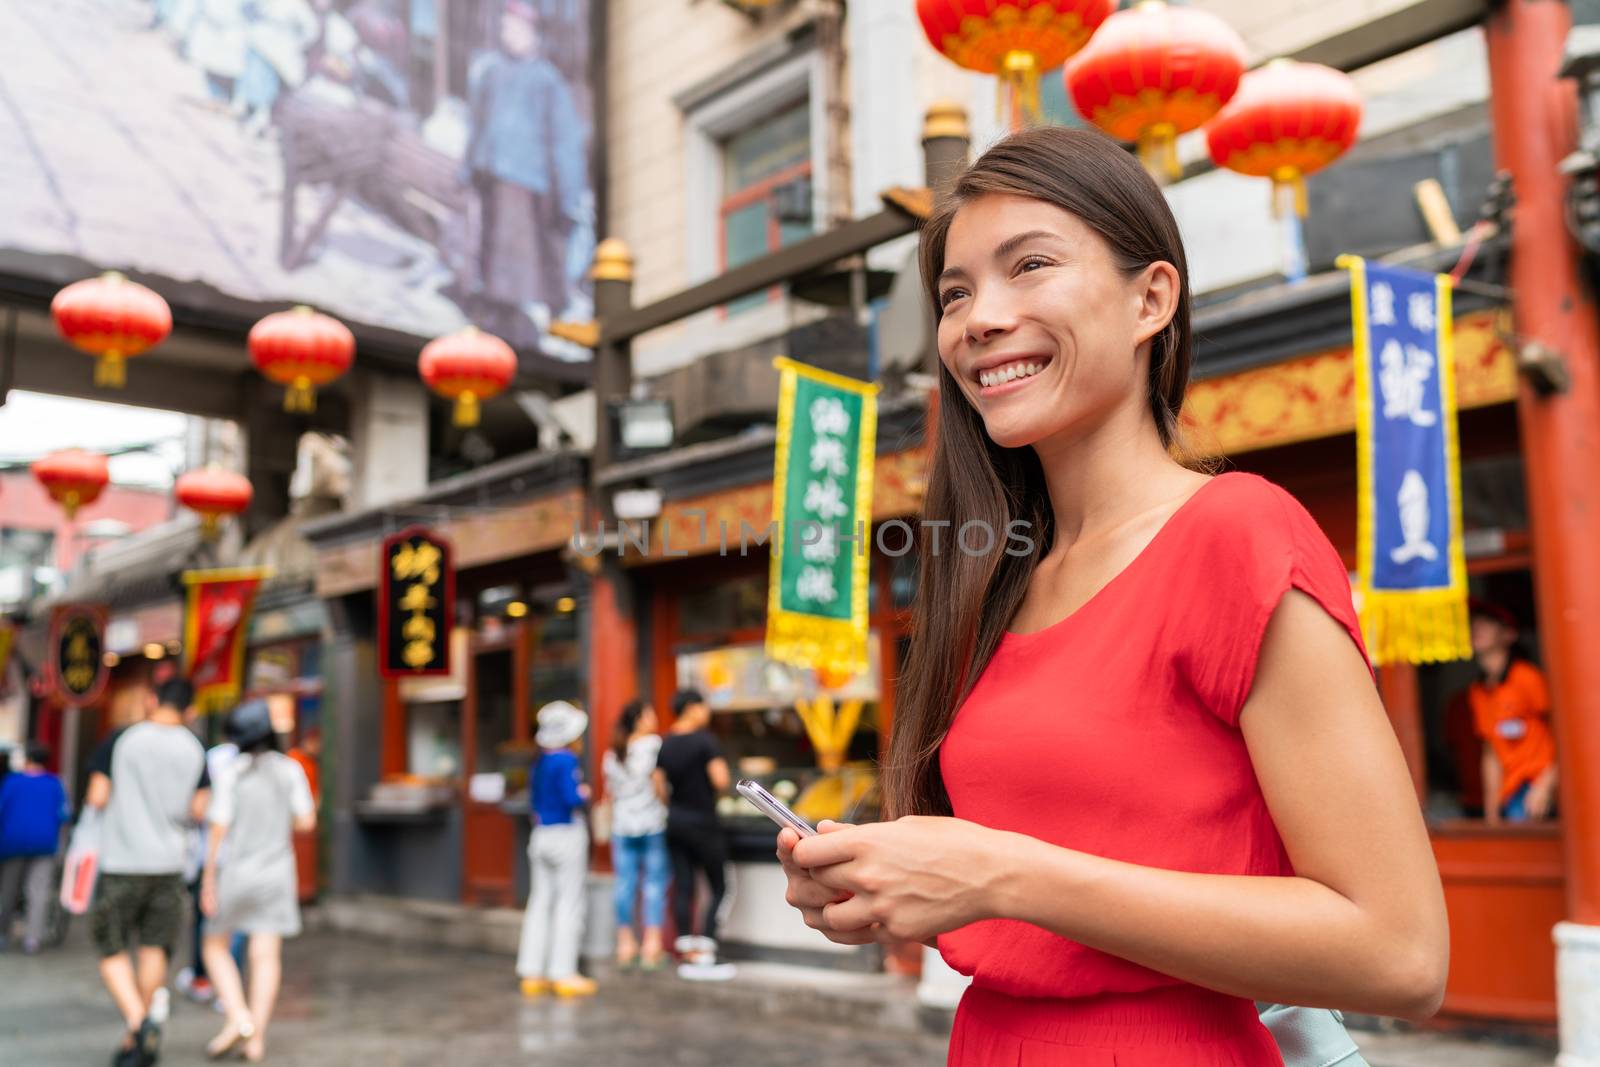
[707,127]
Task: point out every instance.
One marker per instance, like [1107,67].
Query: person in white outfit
[558,859]
[258,804]
[638,834]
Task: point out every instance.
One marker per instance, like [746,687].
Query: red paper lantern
[301,349]
[468,367]
[1153,72]
[1287,120]
[1015,40]
[73,477]
[113,320]
[214,493]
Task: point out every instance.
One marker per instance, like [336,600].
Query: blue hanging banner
[1413,568]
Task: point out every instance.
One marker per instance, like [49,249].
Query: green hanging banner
[822,507]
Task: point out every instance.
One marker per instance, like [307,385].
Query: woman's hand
[811,896]
[907,880]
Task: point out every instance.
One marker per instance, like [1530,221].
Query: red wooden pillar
[613,659]
[1534,127]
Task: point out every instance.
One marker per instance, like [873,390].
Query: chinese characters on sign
[77,653]
[1412,567]
[822,504]
[416,605]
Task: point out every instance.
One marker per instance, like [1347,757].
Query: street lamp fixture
[645,425]
[566,604]
[154,650]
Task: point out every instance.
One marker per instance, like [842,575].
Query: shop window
[556,669]
[724,608]
[494,698]
[766,191]
[433,739]
[1454,749]
[764,737]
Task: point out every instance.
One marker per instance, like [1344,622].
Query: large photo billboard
[415,165]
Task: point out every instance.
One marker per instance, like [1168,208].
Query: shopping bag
[82,864]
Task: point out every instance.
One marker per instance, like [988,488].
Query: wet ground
[352,1001]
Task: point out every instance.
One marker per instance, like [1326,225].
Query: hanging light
[1153,72]
[468,366]
[302,349]
[1014,40]
[112,319]
[1287,120]
[215,494]
[73,478]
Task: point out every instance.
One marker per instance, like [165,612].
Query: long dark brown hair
[627,722]
[965,601]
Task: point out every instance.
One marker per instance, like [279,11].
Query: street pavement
[354,1001]
[350,1000]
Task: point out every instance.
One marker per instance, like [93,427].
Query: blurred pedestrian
[33,809]
[260,801]
[193,981]
[558,859]
[638,833]
[1511,710]
[151,782]
[693,774]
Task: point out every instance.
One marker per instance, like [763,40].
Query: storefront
[699,607]
[1291,421]
[427,786]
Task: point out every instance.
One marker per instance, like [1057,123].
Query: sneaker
[201,991]
[184,980]
[708,972]
[160,1006]
[147,1042]
[30,946]
[533,988]
[576,986]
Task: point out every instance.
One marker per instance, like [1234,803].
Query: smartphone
[774,809]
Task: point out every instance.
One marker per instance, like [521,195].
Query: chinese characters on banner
[416,604]
[77,653]
[1411,560]
[822,507]
[215,630]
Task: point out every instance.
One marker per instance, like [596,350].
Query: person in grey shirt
[261,799]
[150,782]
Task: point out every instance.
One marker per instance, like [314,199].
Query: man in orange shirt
[1511,711]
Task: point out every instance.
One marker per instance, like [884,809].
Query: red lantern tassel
[1158,152]
[466,409]
[1289,192]
[110,371]
[300,397]
[1019,75]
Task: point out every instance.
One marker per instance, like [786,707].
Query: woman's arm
[1493,777]
[1361,925]
[208,876]
[719,775]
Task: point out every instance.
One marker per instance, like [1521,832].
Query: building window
[766,191]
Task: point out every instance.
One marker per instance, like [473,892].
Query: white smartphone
[774,809]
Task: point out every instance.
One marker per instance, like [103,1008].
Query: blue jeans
[634,857]
[1516,809]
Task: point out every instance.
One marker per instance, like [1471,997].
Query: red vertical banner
[216,628]
[77,653]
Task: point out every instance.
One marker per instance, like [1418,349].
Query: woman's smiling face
[1039,325]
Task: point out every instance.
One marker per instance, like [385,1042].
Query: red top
[1115,731]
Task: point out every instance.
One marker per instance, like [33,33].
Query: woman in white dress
[256,807]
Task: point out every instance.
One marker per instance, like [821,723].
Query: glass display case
[809,738]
